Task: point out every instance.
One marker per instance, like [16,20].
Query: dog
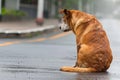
[93,48]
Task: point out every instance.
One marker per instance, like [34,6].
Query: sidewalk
[25,28]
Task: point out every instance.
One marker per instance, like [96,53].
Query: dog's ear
[64,11]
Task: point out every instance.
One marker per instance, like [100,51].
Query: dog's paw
[67,69]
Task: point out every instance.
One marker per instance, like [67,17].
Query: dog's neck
[84,28]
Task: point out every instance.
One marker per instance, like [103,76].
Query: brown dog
[93,49]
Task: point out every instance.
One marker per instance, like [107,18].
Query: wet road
[40,58]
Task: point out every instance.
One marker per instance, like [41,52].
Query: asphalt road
[40,58]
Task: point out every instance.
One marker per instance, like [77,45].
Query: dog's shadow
[93,76]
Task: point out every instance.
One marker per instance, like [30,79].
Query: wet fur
[93,49]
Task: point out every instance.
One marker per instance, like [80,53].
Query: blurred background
[34,9]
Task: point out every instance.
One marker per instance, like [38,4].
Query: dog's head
[73,18]
[64,26]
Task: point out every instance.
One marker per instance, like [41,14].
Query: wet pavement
[41,60]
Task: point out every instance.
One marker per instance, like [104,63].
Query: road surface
[40,58]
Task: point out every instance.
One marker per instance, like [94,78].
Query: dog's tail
[77,69]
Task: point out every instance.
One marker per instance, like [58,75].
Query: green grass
[12,12]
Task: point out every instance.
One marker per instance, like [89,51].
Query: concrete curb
[26,33]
